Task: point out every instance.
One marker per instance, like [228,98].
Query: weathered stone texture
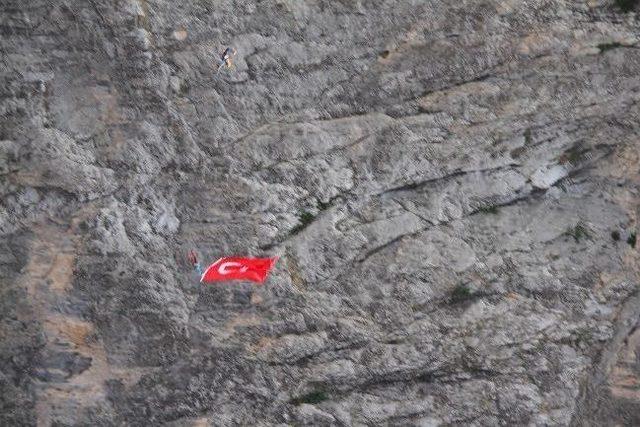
[452,189]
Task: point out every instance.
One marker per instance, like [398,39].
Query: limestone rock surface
[452,189]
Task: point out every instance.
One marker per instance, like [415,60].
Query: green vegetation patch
[304,219]
[572,156]
[460,293]
[517,152]
[323,206]
[627,5]
[578,232]
[631,240]
[489,209]
[312,398]
[608,46]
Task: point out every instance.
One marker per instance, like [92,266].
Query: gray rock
[440,181]
[546,176]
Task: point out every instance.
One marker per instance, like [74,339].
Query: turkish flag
[238,268]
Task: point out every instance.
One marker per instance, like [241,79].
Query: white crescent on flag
[225,268]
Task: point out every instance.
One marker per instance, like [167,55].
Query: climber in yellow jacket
[226,58]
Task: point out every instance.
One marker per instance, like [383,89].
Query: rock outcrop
[452,189]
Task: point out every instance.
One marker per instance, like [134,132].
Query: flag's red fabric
[238,268]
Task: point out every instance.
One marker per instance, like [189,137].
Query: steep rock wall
[452,190]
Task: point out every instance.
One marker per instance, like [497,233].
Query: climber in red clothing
[193,259]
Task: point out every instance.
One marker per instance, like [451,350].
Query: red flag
[237,268]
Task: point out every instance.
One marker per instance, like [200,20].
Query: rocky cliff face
[452,188]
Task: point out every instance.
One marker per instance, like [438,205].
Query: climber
[193,259]
[226,58]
